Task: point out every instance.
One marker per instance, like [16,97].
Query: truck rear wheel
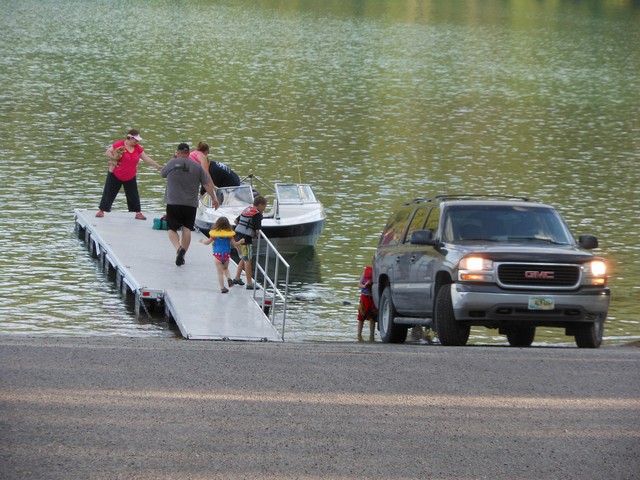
[450,332]
[389,331]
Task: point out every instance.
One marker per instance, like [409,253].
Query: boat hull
[295,218]
[284,236]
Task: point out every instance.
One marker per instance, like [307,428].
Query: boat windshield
[505,223]
[239,196]
[294,193]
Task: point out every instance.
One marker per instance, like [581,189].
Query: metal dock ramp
[144,262]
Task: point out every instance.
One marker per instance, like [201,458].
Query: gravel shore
[158,408]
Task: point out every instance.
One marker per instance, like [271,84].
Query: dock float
[143,260]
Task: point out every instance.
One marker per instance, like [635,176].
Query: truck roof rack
[468,197]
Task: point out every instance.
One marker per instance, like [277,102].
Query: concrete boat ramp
[143,261]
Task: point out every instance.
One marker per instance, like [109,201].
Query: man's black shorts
[181,216]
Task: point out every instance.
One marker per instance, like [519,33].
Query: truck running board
[425,322]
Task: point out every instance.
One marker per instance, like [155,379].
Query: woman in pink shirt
[124,156]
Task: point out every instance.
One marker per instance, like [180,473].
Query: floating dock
[143,260]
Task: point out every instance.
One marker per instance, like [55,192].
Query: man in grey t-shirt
[184,177]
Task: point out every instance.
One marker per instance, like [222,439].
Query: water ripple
[373,108]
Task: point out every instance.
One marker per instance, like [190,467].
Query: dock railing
[271,272]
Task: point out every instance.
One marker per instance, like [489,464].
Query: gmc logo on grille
[537,274]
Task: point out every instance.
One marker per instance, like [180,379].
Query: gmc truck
[507,263]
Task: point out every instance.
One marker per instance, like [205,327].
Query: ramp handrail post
[271,286]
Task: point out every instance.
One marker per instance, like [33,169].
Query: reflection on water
[305,267]
[373,102]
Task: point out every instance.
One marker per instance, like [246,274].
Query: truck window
[433,221]
[393,233]
[417,222]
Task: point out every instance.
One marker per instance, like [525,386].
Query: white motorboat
[294,217]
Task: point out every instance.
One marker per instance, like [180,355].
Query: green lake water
[372,102]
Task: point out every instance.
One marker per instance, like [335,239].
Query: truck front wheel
[590,335]
[450,332]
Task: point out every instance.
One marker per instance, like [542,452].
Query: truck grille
[517,275]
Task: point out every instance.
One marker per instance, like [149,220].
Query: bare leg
[247,271]
[219,270]
[360,324]
[227,274]
[174,238]
[180,249]
[186,238]
[240,269]
[372,331]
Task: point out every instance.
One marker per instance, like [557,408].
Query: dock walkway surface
[144,261]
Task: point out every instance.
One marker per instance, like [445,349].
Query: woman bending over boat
[220,173]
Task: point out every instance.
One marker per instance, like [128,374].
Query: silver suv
[453,262]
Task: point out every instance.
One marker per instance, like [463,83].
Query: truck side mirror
[588,241]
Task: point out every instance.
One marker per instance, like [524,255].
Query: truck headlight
[598,268]
[475,269]
[595,273]
[476,263]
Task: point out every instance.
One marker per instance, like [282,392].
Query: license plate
[541,303]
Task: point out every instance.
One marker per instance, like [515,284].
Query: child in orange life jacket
[248,226]
[221,236]
[366,309]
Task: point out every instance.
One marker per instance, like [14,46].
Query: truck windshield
[501,223]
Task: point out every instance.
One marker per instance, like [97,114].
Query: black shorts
[181,216]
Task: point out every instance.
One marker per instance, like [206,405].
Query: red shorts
[367,310]
[222,257]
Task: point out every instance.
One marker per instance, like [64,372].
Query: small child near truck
[366,308]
